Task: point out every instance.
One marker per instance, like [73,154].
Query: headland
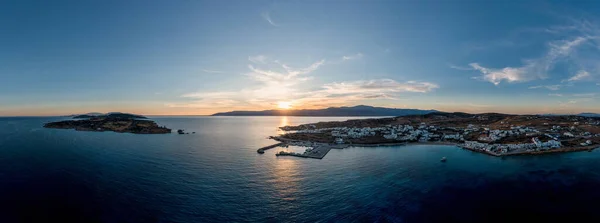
[490,133]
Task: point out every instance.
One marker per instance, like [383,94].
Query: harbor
[313,150]
[317,152]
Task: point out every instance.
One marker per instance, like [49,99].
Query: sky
[189,57]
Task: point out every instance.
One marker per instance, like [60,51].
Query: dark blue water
[216,175]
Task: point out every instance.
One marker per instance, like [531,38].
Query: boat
[443,159]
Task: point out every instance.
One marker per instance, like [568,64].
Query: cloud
[567,103]
[508,74]
[295,72]
[532,69]
[459,67]
[564,47]
[258,59]
[346,58]
[555,95]
[576,45]
[343,93]
[585,95]
[580,76]
[212,71]
[379,86]
[267,17]
[549,87]
[353,57]
[289,78]
[283,83]
[574,101]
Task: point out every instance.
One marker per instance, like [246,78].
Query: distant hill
[589,114]
[109,115]
[580,114]
[360,110]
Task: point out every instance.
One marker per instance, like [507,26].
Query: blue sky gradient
[202,57]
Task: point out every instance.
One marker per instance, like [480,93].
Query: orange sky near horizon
[156,109]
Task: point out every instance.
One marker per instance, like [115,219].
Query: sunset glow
[284,105]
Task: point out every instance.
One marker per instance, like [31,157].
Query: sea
[216,175]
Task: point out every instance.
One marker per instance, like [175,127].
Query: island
[116,122]
[490,133]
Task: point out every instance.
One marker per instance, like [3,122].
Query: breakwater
[262,150]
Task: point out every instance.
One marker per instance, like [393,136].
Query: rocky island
[116,122]
[490,133]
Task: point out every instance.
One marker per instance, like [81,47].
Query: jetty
[262,150]
[317,152]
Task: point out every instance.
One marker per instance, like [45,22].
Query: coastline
[524,153]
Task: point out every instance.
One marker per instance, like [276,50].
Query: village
[494,135]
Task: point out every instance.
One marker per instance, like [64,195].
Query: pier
[317,152]
[262,150]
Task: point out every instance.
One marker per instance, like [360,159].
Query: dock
[317,152]
[262,150]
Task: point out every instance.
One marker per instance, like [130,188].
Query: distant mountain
[551,114]
[589,114]
[360,110]
[580,114]
[109,115]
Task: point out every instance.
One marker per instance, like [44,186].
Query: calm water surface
[216,175]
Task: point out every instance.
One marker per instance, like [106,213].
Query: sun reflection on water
[283,121]
[285,175]
[285,178]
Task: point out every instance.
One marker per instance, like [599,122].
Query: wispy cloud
[212,71]
[267,17]
[352,57]
[345,58]
[576,44]
[282,82]
[581,76]
[295,72]
[571,102]
[342,93]
[555,95]
[287,78]
[549,87]
[459,67]
[508,74]
[258,59]
[568,103]
[586,95]
[379,86]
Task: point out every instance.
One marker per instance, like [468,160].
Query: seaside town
[492,134]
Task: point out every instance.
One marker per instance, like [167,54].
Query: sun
[284,105]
